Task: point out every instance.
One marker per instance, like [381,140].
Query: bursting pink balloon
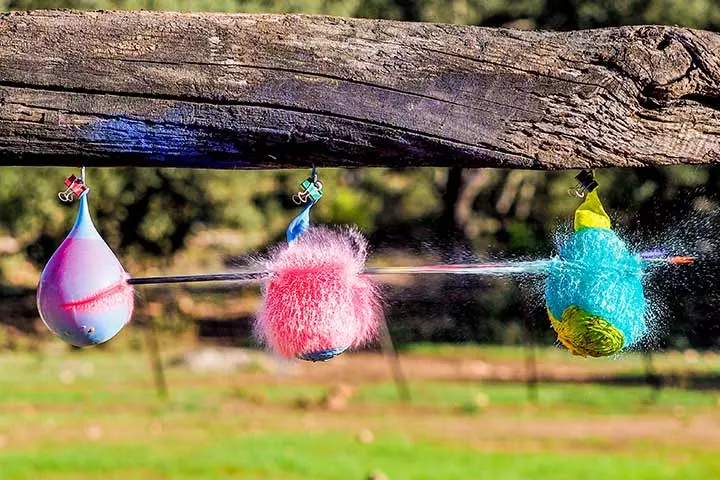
[83,296]
[317,303]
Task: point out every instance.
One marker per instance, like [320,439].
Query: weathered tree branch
[270,91]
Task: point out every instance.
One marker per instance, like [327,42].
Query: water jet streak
[490,269]
[534,267]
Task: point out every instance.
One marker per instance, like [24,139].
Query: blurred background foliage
[542,14]
[172,221]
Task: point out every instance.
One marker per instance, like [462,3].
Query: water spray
[534,267]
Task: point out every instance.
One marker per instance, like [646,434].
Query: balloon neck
[299,224]
[84,226]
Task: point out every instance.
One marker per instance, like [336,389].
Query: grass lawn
[94,414]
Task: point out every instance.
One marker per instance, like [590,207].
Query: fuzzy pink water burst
[317,303]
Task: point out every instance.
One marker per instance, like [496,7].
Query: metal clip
[75,188]
[310,189]
[586,183]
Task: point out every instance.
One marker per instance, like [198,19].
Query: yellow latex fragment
[591,214]
[587,335]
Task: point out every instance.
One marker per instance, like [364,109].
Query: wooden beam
[275,91]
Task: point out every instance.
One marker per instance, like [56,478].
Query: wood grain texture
[275,91]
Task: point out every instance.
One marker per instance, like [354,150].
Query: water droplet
[83,290]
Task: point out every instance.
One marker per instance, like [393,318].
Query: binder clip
[310,190]
[75,188]
[586,183]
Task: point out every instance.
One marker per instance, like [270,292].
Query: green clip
[311,190]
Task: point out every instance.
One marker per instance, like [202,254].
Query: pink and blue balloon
[83,295]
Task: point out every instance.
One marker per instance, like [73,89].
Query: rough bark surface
[273,91]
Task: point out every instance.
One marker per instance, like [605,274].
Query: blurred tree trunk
[449,225]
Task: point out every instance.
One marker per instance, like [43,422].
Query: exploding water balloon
[83,296]
[594,292]
[316,302]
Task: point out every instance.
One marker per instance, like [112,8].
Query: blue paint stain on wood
[164,142]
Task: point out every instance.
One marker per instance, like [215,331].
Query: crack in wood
[296,72]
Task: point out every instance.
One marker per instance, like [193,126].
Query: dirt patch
[373,367]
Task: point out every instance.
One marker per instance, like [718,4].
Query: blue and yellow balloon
[594,292]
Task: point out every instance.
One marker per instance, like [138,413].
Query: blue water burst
[597,272]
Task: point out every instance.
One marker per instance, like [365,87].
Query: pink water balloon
[83,296]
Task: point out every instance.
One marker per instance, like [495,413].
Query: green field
[95,414]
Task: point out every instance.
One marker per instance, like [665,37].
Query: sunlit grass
[333,455]
[95,414]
